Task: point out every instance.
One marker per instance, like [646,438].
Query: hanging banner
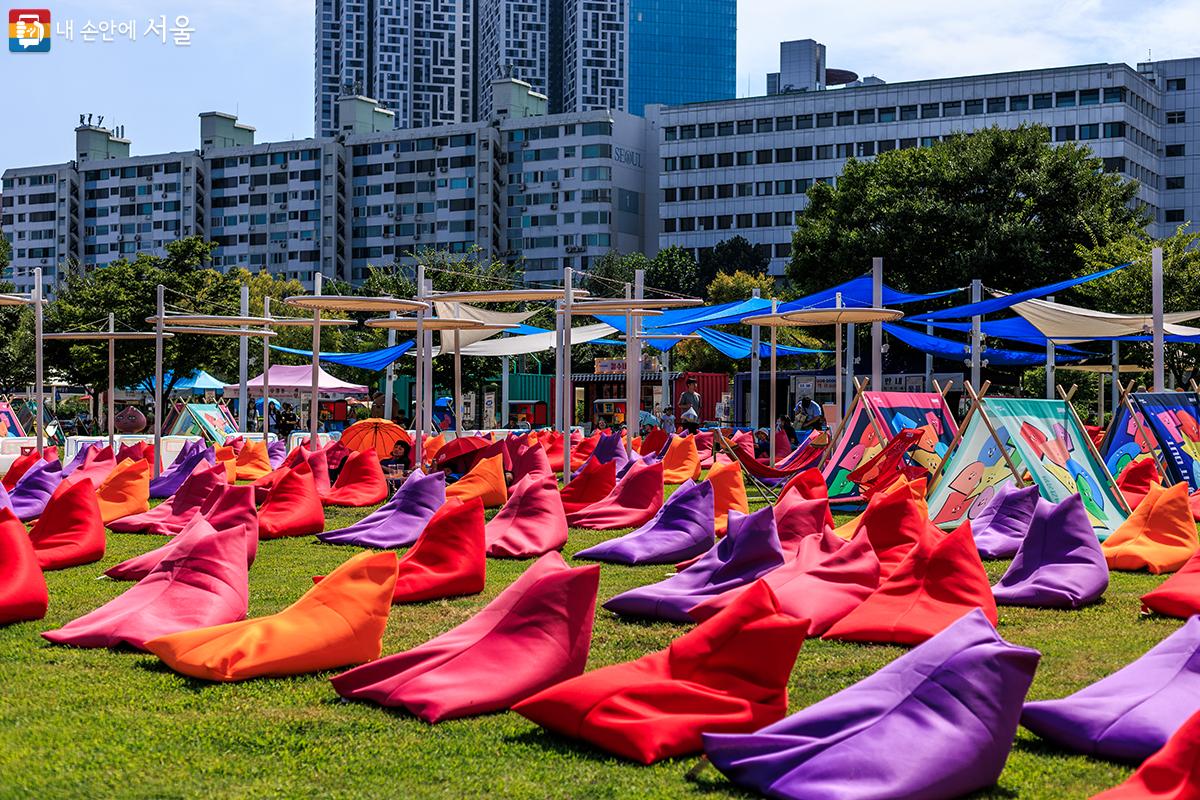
[926,412]
[859,442]
[974,473]
[1173,420]
[1054,449]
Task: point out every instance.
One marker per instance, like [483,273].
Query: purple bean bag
[171,478]
[1000,526]
[276,453]
[33,490]
[635,459]
[936,723]
[1060,563]
[399,521]
[683,528]
[1130,714]
[5,499]
[749,550]
[80,456]
[610,447]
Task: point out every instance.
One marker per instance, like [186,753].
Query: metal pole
[1050,379]
[39,388]
[389,376]
[559,312]
[243,362]
[427,399]
[1100,402]
[629,338]
[266,387]
[755,372]
[639,293]
[877,327]
[568,389]
[418,375]
[851,357]
[506,365]
[1156,284]
[976,334]
[458,403]
[929,363]
[665,379]
[314,416]
[772,401]
[1116,376]
[112,378]
[838,400]
[158,376]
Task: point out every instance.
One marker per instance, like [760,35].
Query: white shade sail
[1064,323]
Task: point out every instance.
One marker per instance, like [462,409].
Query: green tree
[674,270]
[5,252]
[607,275]
[1002,205]
[16,349]
[1129,290]
[730,287]
[732,255]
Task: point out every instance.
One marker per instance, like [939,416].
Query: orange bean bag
[338,622]
[729,493]
[727,675]
[1160,535]
[253,461]
[292,507]
[447,559]
[485,480]
[23,594]
[593,483]
[682,461]
[1173,773]
[940,579]
[430,446]
[1137,478]
[69,532]
[532,522]
[360,483]
[126,491]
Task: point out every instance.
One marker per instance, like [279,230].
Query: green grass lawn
[91,723]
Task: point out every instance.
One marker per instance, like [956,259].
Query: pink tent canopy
[299,379]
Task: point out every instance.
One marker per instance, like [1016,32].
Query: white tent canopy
[299,379]
[1064,323]
[467,338]
[536,342]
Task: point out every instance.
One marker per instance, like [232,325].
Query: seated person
[762,443]
[396,465]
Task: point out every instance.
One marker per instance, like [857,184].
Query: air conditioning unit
[283,206]
[554,206]
[165,195]
[396,155]
[524,208]
[524,145]
[432,173]
[283,166]
[444,169]
[45,261]
[522,187]
[553,184]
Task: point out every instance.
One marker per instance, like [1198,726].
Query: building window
[745,190]
[764,157]
[707,130]
[973,107]
[745,220]
[1114,130]
[887,114]
[1176,117]
[724,129]
[725,222]
[784,123]
[764,189]
[1091,131]
[669,134]
[766,125]
[668,225]
[1089,97]
[783,155]
[1175,183]
[865,149]
[996,105]
[1116,164]
[845,118]
[905,144]
[907,113]
[783,187]
[804,122]
[866,116]
[930,110]
[762,220]
[952,109]
[1045,100]
[1175,150]
[687,132]
[670,195]
[707,160]
[783,219]
[1064,99]
[1018,102]
[1173,215]
[745,126]
[745,158]
[884,145]
[1176,84]
[724,159]
[824,152]
[825,119]
[725,191]
[928,141]
[804,153]
[1114,94]
[845,149]
[1064,133]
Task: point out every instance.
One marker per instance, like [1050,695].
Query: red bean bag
[1178,595]
[655,440]
[485,481]
[729,493]
[98,462]
[940,579]
[535,634]
[529,459]
[903,486]
[253,462]
[591,485]
[819,586]
[894,523]
[810,484]
[360,483]
[201,582]
[69,532]
[23,594]
[631,503]
[21,465]
[553,443]
[225,507]
[1136,479]
[126,491]
[1160,535]
[169,516]
[729,674]
[336,454]
[137,451]
[1173,773]
[532,522]
[681,462]
[796,518]
[292,507]
[581,451]
[338,622]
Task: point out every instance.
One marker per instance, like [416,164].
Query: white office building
[741,167]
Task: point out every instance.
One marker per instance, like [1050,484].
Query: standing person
[287,421]
[809,415]
[689,406]
[668,421]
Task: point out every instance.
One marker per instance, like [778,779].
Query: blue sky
[255,58]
